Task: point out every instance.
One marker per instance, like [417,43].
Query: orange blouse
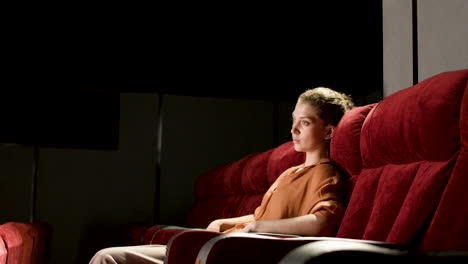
[302,190]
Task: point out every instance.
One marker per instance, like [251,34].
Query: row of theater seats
[407,158]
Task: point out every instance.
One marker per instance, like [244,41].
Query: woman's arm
[306,225]
[221,225]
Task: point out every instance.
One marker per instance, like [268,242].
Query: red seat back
[237,188]
[409,165]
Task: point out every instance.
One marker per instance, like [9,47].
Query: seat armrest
[141,234]
[162,234]
[276,235]
[262,248]
[362,252]
[328,251]
[184,245]
[190,241]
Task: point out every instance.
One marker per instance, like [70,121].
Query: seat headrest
[421,122]
[344,145]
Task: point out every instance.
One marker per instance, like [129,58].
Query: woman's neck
[314,157]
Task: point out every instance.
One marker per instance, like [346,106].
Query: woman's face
[308,129]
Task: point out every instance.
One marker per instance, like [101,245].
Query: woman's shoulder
[326,168]
[324,164]
[327,164]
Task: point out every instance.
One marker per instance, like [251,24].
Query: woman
[304,200]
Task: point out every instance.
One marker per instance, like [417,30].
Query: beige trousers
[150,254]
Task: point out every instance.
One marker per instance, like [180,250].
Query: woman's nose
[294,129]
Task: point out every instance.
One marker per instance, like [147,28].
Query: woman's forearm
[228,223]
[307,225]
[240,219]
[221,225]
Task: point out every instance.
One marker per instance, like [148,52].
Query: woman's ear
[329,132]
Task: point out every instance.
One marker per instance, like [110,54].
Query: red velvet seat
[24,243]
[3,251]
[412,159]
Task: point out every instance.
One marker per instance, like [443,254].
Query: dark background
[77,65]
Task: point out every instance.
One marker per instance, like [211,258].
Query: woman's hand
[308,225]
[221,225]
[249,228]
[214,226]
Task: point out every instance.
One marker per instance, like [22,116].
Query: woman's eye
[305,123]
